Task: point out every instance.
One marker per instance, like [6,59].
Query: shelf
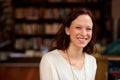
[35,35]
[39,21]
[107,58]
[22,60]
[115,58]
[27,36]
[90,5]
[94,5]
[22,3]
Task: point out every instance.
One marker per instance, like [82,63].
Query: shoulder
[50,55]
[91,60]
[90,65]
[90,57]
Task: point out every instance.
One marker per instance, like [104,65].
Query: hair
[62,40]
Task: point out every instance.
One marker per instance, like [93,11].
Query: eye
[78,27]
[89,29]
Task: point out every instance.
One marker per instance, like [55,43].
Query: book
[114,70]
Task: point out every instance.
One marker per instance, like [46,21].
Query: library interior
[28,26]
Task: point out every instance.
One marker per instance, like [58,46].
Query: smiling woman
[70,57]
[80,30]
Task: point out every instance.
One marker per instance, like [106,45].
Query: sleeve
[94,69]
[47,70]
[91,67]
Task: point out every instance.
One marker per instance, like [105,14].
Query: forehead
[83,20]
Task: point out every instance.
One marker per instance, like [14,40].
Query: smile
[82,40]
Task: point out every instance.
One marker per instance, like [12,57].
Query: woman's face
[80,31]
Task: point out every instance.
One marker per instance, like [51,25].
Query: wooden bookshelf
[106,57]
[41,12]
[103,65]
[45,17]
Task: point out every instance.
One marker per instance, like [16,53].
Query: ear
[67,30]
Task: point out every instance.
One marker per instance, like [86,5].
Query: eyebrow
[82,25]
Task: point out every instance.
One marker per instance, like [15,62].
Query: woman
[71,59]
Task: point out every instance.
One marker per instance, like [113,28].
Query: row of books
[114,70]
[29,29]
[32,13]
[56,13]
[28,13]
[52,28]
[32,43]
[36,29]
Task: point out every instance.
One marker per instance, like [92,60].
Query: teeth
[82,39]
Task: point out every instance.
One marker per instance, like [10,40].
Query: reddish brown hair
[62,40]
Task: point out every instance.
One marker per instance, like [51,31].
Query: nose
[83,32]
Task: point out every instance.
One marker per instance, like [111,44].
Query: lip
[82,40]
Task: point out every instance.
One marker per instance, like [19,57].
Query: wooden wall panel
[19,73]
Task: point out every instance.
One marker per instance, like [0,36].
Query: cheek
[73,31]
[73,34]
[90,34]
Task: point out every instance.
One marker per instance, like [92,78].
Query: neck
[75,53]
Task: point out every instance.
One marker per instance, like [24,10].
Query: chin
[82,46]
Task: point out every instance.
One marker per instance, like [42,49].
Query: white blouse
[54,67]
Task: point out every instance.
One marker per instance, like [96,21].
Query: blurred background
[28,26]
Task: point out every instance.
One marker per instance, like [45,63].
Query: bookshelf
[34,19]
[37,21]
[112,67]
[108,67]
[6,26]
[114,70]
